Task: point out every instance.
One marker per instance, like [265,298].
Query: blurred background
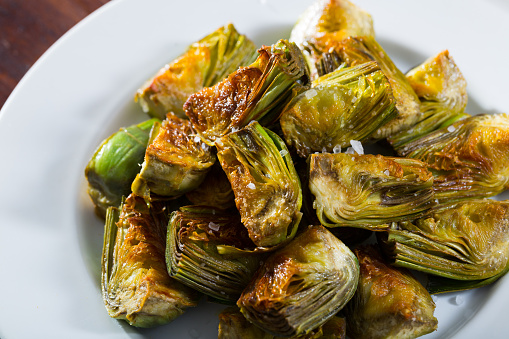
[28,28]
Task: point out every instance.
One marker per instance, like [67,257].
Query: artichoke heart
[209,250]
[265,183]
[233,325]
[135,284]
[176,161]
[205,63]
[469,241]
[325,22]
[257,92]
[468,159]
[351,103]
[369,191]
[389,301]
[115,163]
[302,285]
[442,92]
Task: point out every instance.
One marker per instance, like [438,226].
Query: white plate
[81,91]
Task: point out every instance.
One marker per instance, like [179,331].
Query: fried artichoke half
[233,325]
[468,159]
[265,183]
[351,103]
[368,191]
[325,22]
[176,161]
[357,50]
[135,284]
[302,285]
[389,301]
[114,165]
[205,63]
[209,250]
[257,92]
[469,241]
[442,91]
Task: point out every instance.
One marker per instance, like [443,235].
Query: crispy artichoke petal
[205,63]
[135,284]
[114,165]
[389,301]
[257,92]
[193,257]
[176,161]
[468,159]
[302,285]
[368,191]
[469,241]
[265,183]
[441,89]
[351,103]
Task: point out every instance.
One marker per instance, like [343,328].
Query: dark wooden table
[28,28]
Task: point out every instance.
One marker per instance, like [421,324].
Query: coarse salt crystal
[336,149]
[324,149]
[457,300]
[451,128]
[386,172]
[196,139]
[310,93]
[283,152]
[357,146]
[349,150]
[251,186]
[213,226]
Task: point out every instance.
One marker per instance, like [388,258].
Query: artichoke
[469,241]
[389,301]
[115,163]
[357,50]
[176,162]
[441,89]
[205,63]
[326,22]
[369,191]
[135,284]
[209,250]
[302,285]
[468,159]
[265,183]
[351,103]
[257,92]
[233,325]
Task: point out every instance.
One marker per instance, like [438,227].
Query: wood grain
[28,28]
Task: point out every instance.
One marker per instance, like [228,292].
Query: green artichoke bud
[324,23]
[357,50]
[468,159]
[265,183]
[214,191]
[176,161]
[257,92]
[209,250]
[233,325]
[441,89]
[302,285]
[389,301]
[135,284]
[369,191]
[114,165]
[205,63]
[469,241]
[351,103]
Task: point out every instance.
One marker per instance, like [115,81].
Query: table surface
[28,28]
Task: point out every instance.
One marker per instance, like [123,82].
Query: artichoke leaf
[115,163]
[351,103]
[302,285]
[135,284]
[468,241]
[389,302]
[205,63]
[176,161]
[195,256]
[265,183]
[256,92]
[369,191]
